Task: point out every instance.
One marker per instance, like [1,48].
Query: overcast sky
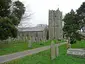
[40,8]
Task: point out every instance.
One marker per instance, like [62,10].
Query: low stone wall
[76,52]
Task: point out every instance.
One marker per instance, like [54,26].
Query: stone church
[36,34]
[43,32]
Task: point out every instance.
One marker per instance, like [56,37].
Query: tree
[4,8]
[19,9]
[71,27]
[14,20]
[9,20]
[7,29]
[81,15]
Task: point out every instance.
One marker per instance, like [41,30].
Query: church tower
[55,24]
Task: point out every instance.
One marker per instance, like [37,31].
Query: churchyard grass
[63,58]
[79,44]
[44,58]
[11,47]
[20,45]
[39,58]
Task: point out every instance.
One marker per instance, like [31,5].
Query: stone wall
[35,36]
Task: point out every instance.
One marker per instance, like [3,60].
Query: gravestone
[53,55]
[68,44]
[36,39]
[57,50]
[33,39]
[29,44]
[26,38]
[76,52]
[9,39]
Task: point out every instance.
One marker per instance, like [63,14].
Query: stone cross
[53,56]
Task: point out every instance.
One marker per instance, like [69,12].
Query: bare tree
[26,17]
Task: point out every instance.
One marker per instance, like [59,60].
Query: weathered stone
[57,50]
[55,24]
[30,44]
[76,52]
[9,40]
[33,39]
[68,45]
[53,56]
[37,33]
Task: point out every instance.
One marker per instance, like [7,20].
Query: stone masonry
[55,24]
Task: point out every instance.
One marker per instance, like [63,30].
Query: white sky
[40,8]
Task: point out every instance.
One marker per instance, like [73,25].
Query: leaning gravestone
[53,56]
[76,52]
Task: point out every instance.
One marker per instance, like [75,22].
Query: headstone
[36,39]
[57,50]
[26,39]
[53,56]
[76,52]
[9,39]
[29,44]
[68,44]
[33,39]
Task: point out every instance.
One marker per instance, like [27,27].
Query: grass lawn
[79,44]
[16,46]
[44,58]
[63,58]
[12,47]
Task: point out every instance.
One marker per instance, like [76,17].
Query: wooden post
[53,56]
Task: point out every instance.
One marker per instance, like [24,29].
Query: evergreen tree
[8,19]
[19,9]
[5,8]
[71,27]
[81,15]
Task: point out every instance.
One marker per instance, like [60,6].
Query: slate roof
[37,28]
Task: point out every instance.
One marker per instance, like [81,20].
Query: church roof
[37,28]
